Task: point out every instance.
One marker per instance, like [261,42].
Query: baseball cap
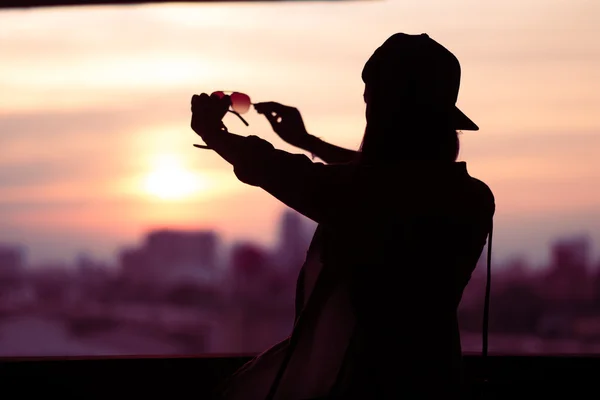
[426,73]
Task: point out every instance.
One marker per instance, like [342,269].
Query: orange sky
[92,99]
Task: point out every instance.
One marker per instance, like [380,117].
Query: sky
[96,149]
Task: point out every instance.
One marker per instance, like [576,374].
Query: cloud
[84,106]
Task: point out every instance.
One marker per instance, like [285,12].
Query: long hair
[397,131]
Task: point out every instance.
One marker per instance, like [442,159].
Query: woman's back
[405,258]
[420,246]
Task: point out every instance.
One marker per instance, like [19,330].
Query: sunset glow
[95,126]
[169,180]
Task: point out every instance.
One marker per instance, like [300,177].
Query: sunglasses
[240,104]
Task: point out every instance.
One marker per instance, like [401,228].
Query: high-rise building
[248,259]
[250,269]
[12,261]
[571,253]
[568,279]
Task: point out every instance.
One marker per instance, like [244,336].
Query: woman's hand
[286,122]
[207,113]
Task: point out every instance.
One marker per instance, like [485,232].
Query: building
[250,269]
[12,262]
[169,256]
[568,280]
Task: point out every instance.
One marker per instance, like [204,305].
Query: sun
[170,180]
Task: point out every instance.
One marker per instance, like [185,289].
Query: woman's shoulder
[482,194]
[481,187]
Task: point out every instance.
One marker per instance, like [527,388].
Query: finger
[273,119]
[207,110]
[267,107]
[219,105]
[196,98]
[225,99]
[224,104]
[202,98]
[270,106]
[199,101]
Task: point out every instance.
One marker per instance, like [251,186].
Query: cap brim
[462,122]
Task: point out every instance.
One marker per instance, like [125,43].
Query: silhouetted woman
[401,226]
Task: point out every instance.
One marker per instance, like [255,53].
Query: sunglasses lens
[220,94]
[240,102]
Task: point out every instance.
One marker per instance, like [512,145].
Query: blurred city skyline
[181,292]
[94,113]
